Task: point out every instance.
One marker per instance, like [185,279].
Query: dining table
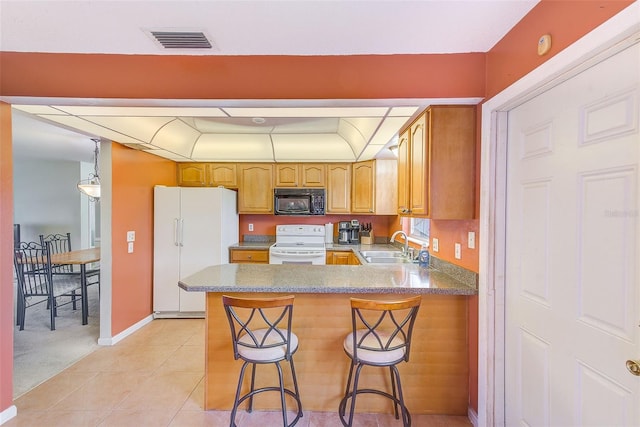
[81,257]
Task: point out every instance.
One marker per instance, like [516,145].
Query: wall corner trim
[122,335]
[8,414]
[473,416]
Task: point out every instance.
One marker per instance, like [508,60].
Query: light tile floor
[155,378]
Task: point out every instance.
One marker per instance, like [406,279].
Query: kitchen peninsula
[436,378]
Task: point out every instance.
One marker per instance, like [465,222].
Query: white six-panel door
[572,284]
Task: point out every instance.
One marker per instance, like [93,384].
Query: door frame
[619,32]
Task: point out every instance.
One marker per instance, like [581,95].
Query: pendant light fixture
[91,185]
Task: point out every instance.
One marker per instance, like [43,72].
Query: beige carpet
[40,353]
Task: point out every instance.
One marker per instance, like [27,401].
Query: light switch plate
[435,245]
[130,247]
[471,243]
[457,250]
[131,236]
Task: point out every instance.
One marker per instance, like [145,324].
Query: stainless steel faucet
[405,250]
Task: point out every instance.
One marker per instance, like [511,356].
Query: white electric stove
[298,244]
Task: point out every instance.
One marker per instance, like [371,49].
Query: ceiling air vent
[182,39]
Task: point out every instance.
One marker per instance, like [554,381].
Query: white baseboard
[8,413]
[122,335]
[473,416]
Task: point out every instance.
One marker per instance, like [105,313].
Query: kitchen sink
[387,260]
[382,254]
[384,257]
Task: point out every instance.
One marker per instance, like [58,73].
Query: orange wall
[6,259]
[134,175]
[566,20]
[266,224]
[242,77]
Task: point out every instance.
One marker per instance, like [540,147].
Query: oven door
[297,256]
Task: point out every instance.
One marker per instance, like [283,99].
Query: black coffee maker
[354,233]
[344,232]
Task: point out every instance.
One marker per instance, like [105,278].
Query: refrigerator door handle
[175,232]
[181,231]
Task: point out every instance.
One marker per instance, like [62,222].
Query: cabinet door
[255,193]
[287,175]
[224,174]
[420,165]
[363,188]
[341,258]
[338,188]
[192,175]
[452,150]
[404,174]
[313,175]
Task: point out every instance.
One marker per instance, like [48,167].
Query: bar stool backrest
[382,330]
[261,328]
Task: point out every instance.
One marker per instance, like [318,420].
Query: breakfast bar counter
[435,380]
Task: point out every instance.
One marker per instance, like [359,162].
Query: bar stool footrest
[343,404]
[251,394]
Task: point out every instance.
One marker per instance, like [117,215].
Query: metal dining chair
[381,336]
[59,243]
[37,284]
[261,334]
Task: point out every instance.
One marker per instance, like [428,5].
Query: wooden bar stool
[381,336]
[261,334]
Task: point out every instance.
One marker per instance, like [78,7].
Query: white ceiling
[293,131]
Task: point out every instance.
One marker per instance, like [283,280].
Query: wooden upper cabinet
[313,175]
[419,171]
[442,148]
[225,174]
[192,174]
[338,197]
[374,187]
[300,175]
[404,173]
[363,187]
[287,175]
[255,191]
[207,175]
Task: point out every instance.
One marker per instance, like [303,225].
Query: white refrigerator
[193,228]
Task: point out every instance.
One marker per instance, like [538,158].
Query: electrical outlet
[250,227]
[471,241]
[457,250]
[435,245]
[131,236]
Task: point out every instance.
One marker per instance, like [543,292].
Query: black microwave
[298,201]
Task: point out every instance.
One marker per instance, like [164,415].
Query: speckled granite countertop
[338,279]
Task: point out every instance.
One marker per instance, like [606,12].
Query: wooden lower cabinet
[435,380]
[342,258]
[249,256]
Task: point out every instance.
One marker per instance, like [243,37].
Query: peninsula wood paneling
[435,380]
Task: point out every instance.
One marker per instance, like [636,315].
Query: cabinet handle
[249,257]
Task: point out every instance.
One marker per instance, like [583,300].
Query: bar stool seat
[380,337]
[261,334]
